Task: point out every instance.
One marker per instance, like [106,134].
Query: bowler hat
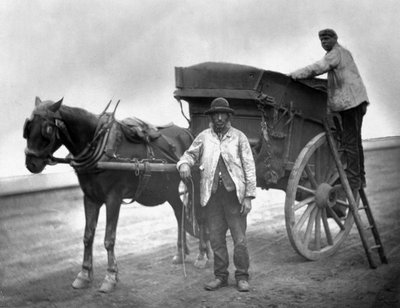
[219,104]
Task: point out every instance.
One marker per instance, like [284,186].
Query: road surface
[41,252]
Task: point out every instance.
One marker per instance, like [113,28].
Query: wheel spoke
[331,169]
[303,203]
[305,189]
[310,225]
[318,164]
[333,178]
[341,202]
[326,227]
[311,177]
[303,217]
[336,218]
[318,231]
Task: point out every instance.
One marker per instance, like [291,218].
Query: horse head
[41,131]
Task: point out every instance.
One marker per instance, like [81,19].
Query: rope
[187,119]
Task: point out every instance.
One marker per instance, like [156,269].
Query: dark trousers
[352,144]
[223,213]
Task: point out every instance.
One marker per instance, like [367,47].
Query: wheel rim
[313,195]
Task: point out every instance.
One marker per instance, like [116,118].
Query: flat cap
[327,32]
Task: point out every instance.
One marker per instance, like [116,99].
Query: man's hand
[184,172]
[246,206]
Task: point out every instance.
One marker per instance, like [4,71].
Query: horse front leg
[113,206]
[85,276]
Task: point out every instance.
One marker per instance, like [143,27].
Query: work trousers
[352,145]
[223,213]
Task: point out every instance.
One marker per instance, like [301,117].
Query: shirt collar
[334,47]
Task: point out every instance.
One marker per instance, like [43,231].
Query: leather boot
[215,284]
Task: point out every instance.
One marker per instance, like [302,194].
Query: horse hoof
[201,262]
[82,281]
[178,259]
[109,283]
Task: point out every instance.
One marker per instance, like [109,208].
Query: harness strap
[150,151]
[86,160]
[93,152]
[143,181]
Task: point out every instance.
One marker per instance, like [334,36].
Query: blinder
[26,128]
[47,129]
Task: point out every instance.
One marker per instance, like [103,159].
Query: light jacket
[345,87]
[236,153]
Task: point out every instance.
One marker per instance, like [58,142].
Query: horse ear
[56,105]
[37,101]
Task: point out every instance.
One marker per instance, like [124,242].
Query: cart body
[277,114]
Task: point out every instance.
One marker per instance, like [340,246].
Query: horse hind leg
[113,206]
[85,276]
[205,251]
[182,248]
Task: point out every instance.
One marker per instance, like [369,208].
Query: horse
[91,139]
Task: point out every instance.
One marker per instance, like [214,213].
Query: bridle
[54,129]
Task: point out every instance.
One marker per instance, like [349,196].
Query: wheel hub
[325,196]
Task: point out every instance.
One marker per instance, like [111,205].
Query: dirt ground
[41,252]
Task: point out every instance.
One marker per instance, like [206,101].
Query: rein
[94,150]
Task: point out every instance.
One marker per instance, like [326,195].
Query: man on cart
[347,96]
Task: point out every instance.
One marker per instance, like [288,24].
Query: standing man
[227,186]
[347,96]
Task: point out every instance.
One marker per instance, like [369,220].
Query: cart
[296,148]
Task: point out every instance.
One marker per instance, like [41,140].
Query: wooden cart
[296,147]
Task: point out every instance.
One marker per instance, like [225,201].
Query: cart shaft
[129,166]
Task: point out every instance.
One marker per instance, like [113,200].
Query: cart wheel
[317,212]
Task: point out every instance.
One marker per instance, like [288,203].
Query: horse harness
[134,132]
[53,128]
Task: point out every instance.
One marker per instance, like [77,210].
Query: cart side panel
[310,109]
[303,131]
[294,117]
[301,111]
[308,102]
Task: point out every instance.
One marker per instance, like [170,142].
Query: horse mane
[77,114]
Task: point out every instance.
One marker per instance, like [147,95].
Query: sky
[89,52]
